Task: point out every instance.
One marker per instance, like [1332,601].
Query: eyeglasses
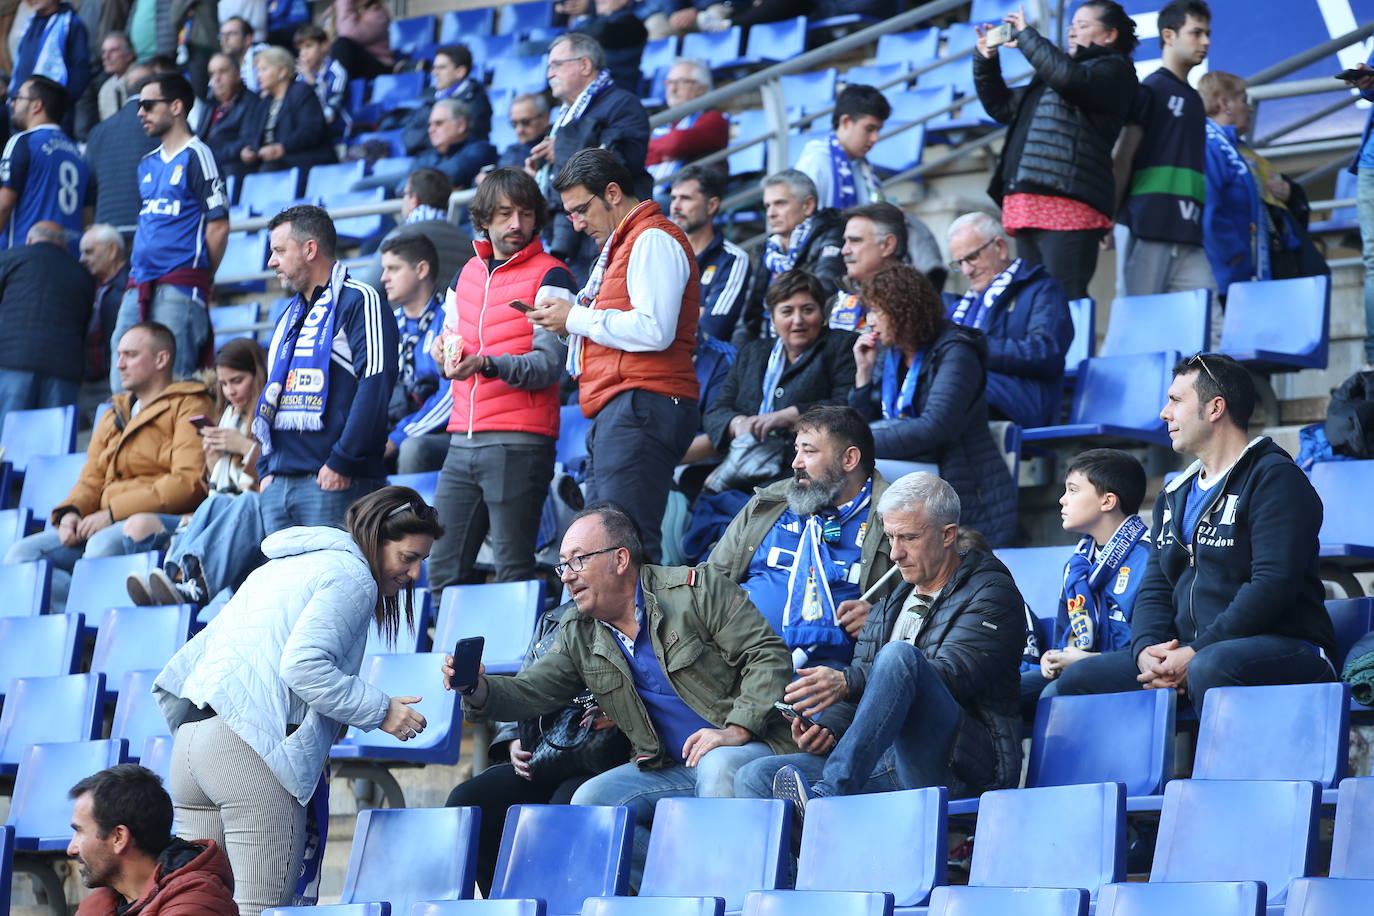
[1200,359]
[518,123]
[23,98]
[581,209]
[150,104]
[968,259]
[579,562]
[556,62]
[685,81]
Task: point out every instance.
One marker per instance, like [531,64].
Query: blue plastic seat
[356,228]
[399,166]
[488,49]
[519,18]
[770,42]
[746,850]
[1199,898]
[900,151]
[325,181]
[956,75]
[393,89]
[1167,321]
[1039,574]
[1117,397]
[749,124]
[139,639]
[983,12]
[14,524]
[1084,343]
[413,674]
[1346,489]
[410,855]
[338,909]
[45,431]
[1343,219]
[999,901]
[1329,897]
[907,49]
[137,717]
[411,37]
[847,842]
[519,74]
[464,25]
[876,75]
[41,812]
[46,487]
[480,908]
[157,755]
[1236,830]
[653,906]
[812,89]
[391,139]
[1278,325]
[718,49]
[27,588]
[892,468]
[1351,855]
[6,868]
[245,253]
[1352,618]
[38,646]
[563,854]
[817,903]
[234,321]
[502,612]
[268,192]
[99,582]
[424,483]
[45,710]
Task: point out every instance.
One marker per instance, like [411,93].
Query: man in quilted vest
[504,372]
[630,335]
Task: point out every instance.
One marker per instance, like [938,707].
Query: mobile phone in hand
[520,305]
[790,712]
[999,34]
[199,421]
[467,659]
[1353,74]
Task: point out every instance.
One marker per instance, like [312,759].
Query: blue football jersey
[181,193]
[44,167]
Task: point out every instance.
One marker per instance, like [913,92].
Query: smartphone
[199,421]
[999,34]
[520,305]
[790,712]
[1353,74]
[467,658]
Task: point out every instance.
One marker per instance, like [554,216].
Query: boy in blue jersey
[321,419]
[422,400]
[42,174]
[324,74]
[1103,490]
[183,225]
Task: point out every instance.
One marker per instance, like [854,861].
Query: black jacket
[1063,125]
[973,636]
[108,303]
[46,298]
[301,128]
[223,138]
[113,153]
[820,255]
[1252,568]
[415,130]
[951,429]
[622,36]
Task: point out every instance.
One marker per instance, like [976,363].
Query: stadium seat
[1236,830]
[411,674]
[488,49]
[424,483]
[1346,489]
[45,431]
[99,583]
[462,26]
[412,855]
[956,75]
[157,755]
[325,181]
[770,42]
[563,854]
[502,612]
[1352,618]
[1001,901]
[46,487]
[817,903]
[356,228]
[1351,854]
[653,906]
[847,843]
[748,842]
[1039,574]
[45,710]
[14,524]
[984,12]
[137,716]
[749,124]
[1278,325]
[906,49]
[1329,897]
[38,646]
[1168,321]
[390,139]
[519,74]
[899,151]
[338,909]
[1201,898]
[1084,345]
[6,868]
[245,253]
[41,812]
[519,18]
[797,142]
[1343,219]
[480,908]
[1117,397]
[268,192]
[397,90]
[892,468]
[28,587]
[231,322]
[139,639]
[809,90]
[876,75]
[413,38]
[718,49]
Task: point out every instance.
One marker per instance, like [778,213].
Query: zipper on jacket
[482,341]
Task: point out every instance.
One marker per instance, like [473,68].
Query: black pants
[1070,257]
[354,58]
[494,790]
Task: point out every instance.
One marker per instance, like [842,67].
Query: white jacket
[286,651]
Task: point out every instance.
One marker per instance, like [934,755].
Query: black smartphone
[790,712]
[199,421]
[467,658]
[520,305]
[1353,74]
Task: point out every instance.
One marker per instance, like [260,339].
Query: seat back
[1287,319]
[398,675]
[14,524]
[268,192]
[519,74]
[44,710]
[518,18]
[572,439]
[905,48]
[233,321]
[809,89]
[139,638]
[137,717]
[245,253]
[480,908]
[424,483]
[28,587]
[563,854]
[1352,618]
[406,856]
[1126,391]
[99,583]
[1109,737]
[1084,343]
[1237,830]
[40,811]
[157,755]
[847,842]
[464,25]
[45,431]
[338,909]
[355,228]
[817,903]
[1292,731]
[1056,836]
[391,89]
[1039,576]
[1329,896]
[715,48]
[1166,321]
[409,36]
[653,906]
[892,468]
[52,478]
[1205,898]
[998,901]
[777,40]
[324,181]
[502,612]
[745,852]
[38,646]
[1351,854]
[1347,492]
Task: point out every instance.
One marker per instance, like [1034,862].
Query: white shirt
[656,279]
[815,162]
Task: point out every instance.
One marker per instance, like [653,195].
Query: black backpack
[1350,417]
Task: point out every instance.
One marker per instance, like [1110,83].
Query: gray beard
[822,493]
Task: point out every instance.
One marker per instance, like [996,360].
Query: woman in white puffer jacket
[256,699]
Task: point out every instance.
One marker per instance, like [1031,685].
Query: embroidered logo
[1123,578]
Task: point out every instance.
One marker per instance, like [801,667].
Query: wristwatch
[488,369]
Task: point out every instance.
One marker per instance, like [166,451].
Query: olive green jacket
[717,650]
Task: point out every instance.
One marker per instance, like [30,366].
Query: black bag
[749,462]
[563,748]
[1350,417]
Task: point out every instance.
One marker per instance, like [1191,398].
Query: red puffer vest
[476,308]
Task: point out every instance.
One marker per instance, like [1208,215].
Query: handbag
[749,462]
[563,747]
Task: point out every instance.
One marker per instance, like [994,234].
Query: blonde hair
[1216,85]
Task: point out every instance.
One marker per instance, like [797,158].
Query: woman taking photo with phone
[257,698]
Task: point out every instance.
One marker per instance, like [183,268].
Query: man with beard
[123,846]
[806,549]
[723,266]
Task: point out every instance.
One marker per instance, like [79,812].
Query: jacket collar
[484,251]
[1186,478]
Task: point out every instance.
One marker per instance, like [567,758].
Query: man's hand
[520,760]
[248,155]
[708,739]
[478,698]
[816,689]
[390,448]
[467,367]
[1280,188]
[101,518]
[683,20]
[540,153]
[551,314]
[1364,83]
[330,479]
[265,483]
[402,721]
[1174,669]
[1054,661]
[763,424]
[66,529]
[982,46]
[1150,661]
[852,614]
[272,152]
[817,739]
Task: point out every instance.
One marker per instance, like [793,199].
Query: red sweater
[709,133]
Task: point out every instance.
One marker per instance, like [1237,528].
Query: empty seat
[234,321]
[268,192]
[748,125]
[907,49]
[519,74]
[52,478]
[139,638]
[653,906]
[245,253]
[1200,898]
[14,524]
[480,908]
[356,228]
[412,37]
[1117,397]
[1084,344]
[325,181]
[563,854]
[1346,489]
[38,646]
[717,49]
[464,25]
[1278,325]
[27,588]
[41,812]
[98,583]
[1351,854]
[1329,897]
[157,755]
[892,468]
[391,90]
[901,149]
[519,18]
[745,852]
[137,717]
[410,855]
[770,42]
[1039,575]
[1167,321]
[817,903]
[502,612]
[1110,737]
[812,89]
[410,674]
[984,12]
[338,909]
[424,483]
[1002,901]
[44,710]
[45,431]
[876,75]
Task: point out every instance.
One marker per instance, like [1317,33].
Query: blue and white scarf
[1084,580]
[49,61]
[777,362]
[587,297]
[982,306]
[898,402]
[567,113]
[662,171]
[778,261]
[808,617]
[846,193]
[297,386]
[424,212]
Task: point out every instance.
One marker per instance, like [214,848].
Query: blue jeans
[109,541]
[187,317]
[225,535]
[755,779]
[640,790]
[296,499]
[1364,207]
[20,390]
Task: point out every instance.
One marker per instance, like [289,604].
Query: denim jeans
[225,535]
[185,316]
[1364,205]
[20,390]
[110,541]
[296,499]
[755,779]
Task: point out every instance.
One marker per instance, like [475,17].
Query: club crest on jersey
[1123,578]
[177,171]
[708,275]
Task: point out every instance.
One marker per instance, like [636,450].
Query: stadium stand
[747,854]
[563,854]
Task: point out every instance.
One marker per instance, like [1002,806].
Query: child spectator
[324,74]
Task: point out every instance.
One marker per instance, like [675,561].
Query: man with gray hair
[454,150]
[676,143]
[529,118]
[874,237]
[930,698]
[1024,313]
[105,256]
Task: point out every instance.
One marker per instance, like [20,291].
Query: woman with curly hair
[921,382]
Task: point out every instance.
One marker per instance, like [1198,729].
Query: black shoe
[138,590]
[790,785]
[165,591]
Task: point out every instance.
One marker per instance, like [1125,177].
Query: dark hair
[459,54]
[131,795]
[887,219]
[1175,13]
[790,283]
[50,94]
[414,247]
[846,426]
[857,100]
[309,32]
[390,514]
[711,181]
[175,88]
[163,338]
[594,169]
[621,529]
[431,188]
[517,187]
[242,354]
[308,222]
[1220,376]
[1111,470]
[1112,16]
[909,300]
[247,26]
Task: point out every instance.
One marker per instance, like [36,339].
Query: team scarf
[777,361]
[1084,580]
[778,261]
[425,212]
[457,89]
[982,306]
[49,61]
[587,297]
[899,401]
[567,114]
[297,386]
[846,192]
[1237,162]
[808,617]
[410,340]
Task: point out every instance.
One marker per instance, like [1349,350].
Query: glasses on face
[150,104]
[968,259]
[685,81]
[579,562]
[556,62]
[23,98]
[518,123]
[580,211]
